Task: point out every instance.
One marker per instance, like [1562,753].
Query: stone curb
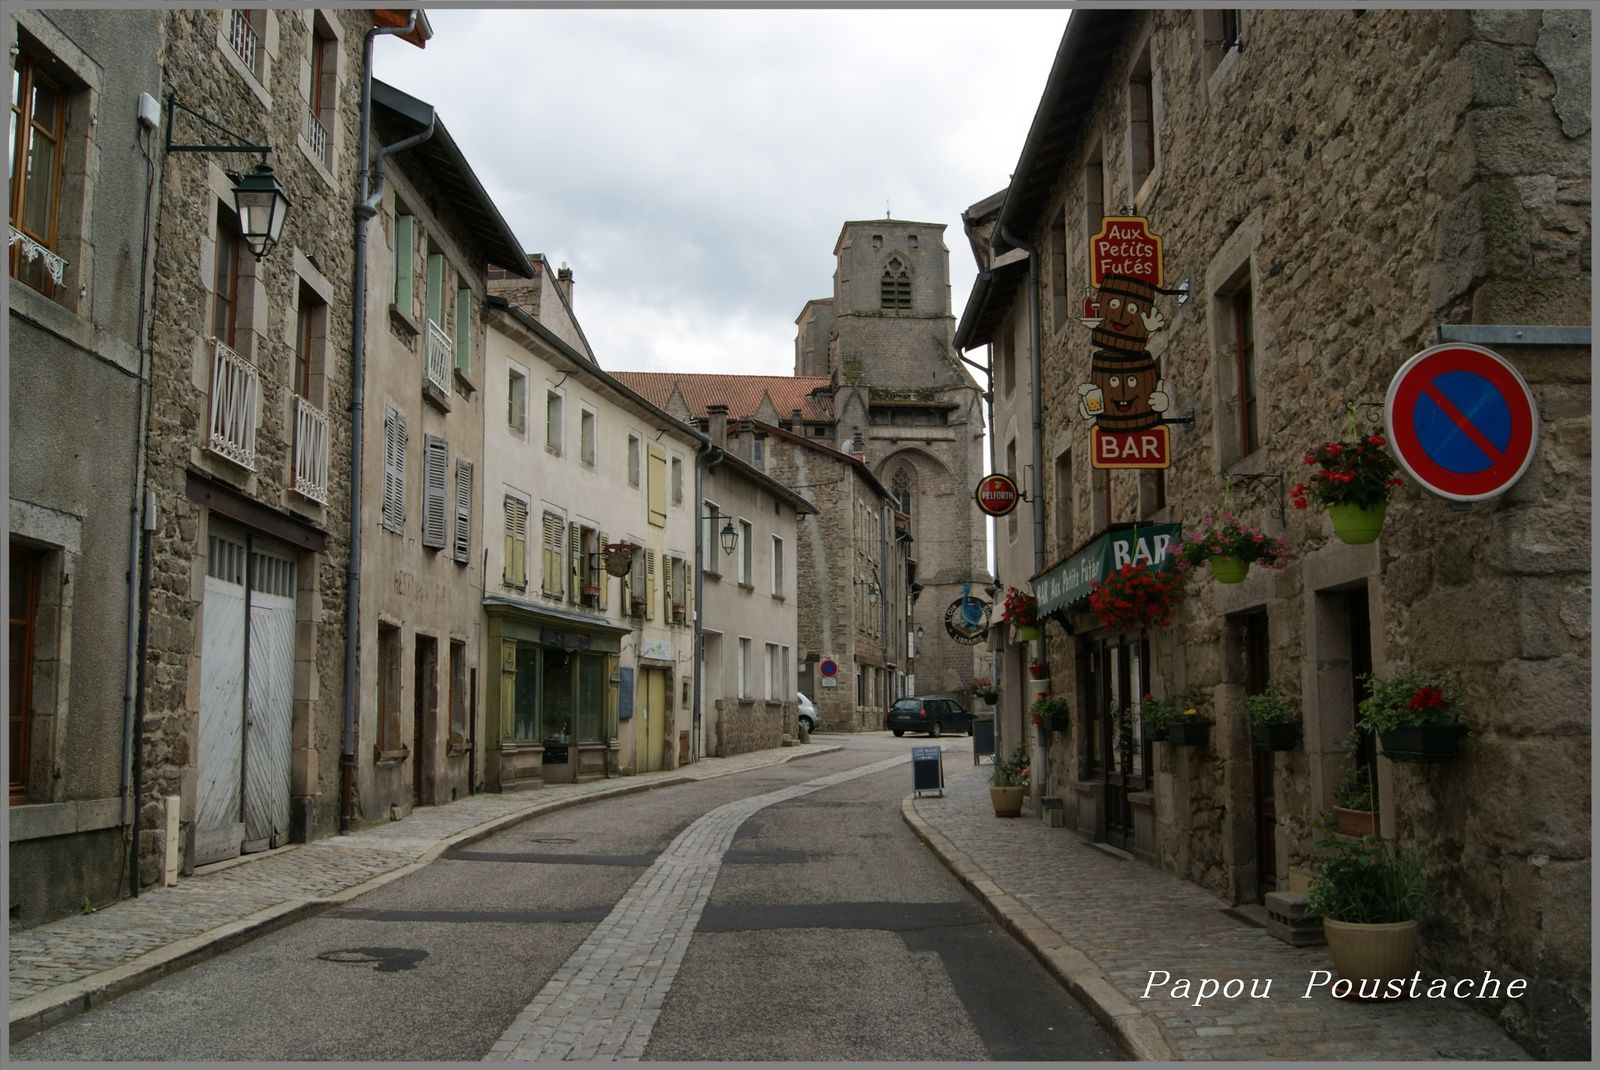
[45,1009]
[1137,1031]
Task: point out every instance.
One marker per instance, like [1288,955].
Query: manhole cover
[386,959]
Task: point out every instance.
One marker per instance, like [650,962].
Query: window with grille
[895,288]
[394,471]
[516,564]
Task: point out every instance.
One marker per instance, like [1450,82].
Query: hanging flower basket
[1357,524]
[1276,736]
[1028,632]
[1426,743]
[1021,610]
[1416,715]
[619,558]
[1051,714]
[1135,597]
[1229,547]
[1189,732]
[1352,480]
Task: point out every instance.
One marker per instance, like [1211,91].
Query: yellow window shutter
[658,486]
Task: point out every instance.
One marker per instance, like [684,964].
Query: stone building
[593,673]
[249,437]
[1336,191]
[429,248]
[80,253]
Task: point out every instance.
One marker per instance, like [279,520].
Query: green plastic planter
[1229,569]
[1355,524]
[1029,632]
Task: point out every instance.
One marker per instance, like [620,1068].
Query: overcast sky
[694,167]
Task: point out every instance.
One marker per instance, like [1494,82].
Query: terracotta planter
[1281,736]
[1355,822]
[1356,525]
[1007,802]
[1372,952]
[1229,569]
[1423,742]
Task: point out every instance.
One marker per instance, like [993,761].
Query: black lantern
[730,538]
[262,206]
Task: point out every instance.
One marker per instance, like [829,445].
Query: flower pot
[1028,632]
[1156,735]
[1189,733]
[1007,802]
[1037,672]
[1281,736]
[1372,953]
[1229,569]
[1355,524]
[1423,742]
[1355,822]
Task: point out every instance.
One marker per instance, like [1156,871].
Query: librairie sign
[1125,397]
[1069,582]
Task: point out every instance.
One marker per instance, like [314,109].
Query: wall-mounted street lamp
[729,536]
[257,198]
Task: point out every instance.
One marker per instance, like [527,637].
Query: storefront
[553,698]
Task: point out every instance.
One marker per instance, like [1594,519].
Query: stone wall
[1373,175]
[744,726]
[316,244]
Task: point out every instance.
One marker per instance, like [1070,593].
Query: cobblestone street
[1108,922]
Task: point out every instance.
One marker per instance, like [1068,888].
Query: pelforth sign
[1126,396]
[997,494]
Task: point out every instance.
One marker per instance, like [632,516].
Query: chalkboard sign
[625,694]
[982,737]
[927,769]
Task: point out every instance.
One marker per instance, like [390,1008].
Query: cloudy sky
[694,167]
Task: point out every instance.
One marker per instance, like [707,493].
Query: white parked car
[808,713]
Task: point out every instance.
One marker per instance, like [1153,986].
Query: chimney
[744,444]
[718,416]
[564,280]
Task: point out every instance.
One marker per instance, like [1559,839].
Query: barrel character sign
[1125,396]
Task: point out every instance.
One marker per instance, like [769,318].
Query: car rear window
[909,704]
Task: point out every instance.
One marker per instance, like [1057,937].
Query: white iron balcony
[235,406]
[440,358]
[317,138]
[310,451]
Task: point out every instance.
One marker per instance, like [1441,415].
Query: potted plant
[1157,716]
[1135,597]
[1038,670]
[1051,714]
[1352,482]
[1274,718]
[1230,547]
[1355,807]
[1007,782]
[1368,897]
[1416,715]
[986,690]
[679,612]
[1022,611]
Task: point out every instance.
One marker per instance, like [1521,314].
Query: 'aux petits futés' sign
[1125,396]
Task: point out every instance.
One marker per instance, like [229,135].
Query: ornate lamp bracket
[1265,479]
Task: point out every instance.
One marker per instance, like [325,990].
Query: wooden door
[219,821]
[270,711]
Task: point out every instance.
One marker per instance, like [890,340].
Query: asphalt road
[825,931]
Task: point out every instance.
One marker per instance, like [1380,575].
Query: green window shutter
[405,235]
[464,331]
[435,292]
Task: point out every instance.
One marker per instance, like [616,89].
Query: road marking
[602,1003]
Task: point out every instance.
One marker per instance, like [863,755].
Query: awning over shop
[548,626]
[1063,584]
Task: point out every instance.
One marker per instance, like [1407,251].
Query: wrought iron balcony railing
[310,451]
[235,406]
[439,359]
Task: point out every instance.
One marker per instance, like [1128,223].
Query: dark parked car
[933,715]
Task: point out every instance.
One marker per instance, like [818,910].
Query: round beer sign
[997,494]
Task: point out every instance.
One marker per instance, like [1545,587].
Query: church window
[901,484]
[896,285]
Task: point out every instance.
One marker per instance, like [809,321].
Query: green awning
[1063,584]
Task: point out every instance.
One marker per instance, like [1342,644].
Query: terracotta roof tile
[741,393]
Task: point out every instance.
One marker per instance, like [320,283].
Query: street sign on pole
[1462,421]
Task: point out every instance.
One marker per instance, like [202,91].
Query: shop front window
[525,706]
[556,715]
[591,699]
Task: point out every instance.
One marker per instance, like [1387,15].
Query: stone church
[876,377]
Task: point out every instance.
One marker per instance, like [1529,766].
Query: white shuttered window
[463,543]
[394,471]
[435,483]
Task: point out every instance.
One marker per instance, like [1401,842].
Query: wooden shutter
[434,296]
[464,331]
[658,487]
[394,471]
[574,562]
[516,569]
[554,562]
[403,293]
[463,543]
[435,472]
[603,578]
[649,585]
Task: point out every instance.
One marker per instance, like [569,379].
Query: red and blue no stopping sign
[1462,421]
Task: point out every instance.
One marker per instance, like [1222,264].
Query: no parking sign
[1462,421]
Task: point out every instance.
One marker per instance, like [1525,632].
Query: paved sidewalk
[1102,924]
[65,967]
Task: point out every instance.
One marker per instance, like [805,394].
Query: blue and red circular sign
[829,668]
[1461,421]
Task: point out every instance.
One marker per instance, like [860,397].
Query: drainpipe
[700,457]
[1037,402]
[366,208]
